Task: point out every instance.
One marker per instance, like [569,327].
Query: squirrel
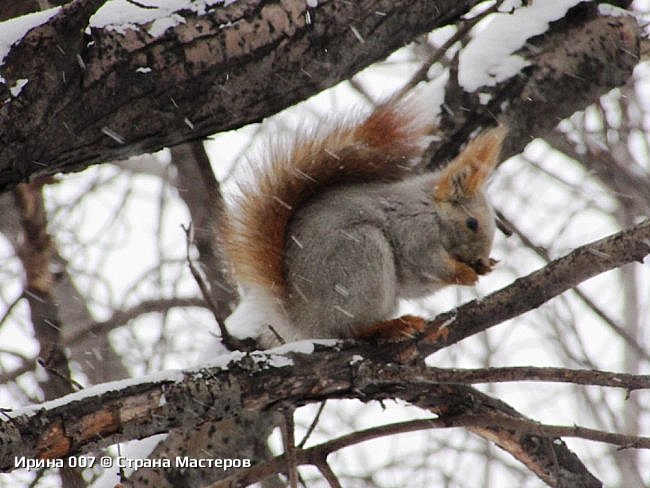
[336,227]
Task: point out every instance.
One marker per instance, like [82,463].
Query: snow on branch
[304,372]
[101,89]
[566,68]
[193,72]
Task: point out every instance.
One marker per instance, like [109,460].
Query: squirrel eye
[472,224]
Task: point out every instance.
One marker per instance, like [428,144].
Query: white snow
[159,26]
[487,59]
[274,360]
[170,375]
[116,15]
[302,347]
[610,10]
[221,361]
[356,359]
[13,30]
[18,87]
[484,98]
[121,15]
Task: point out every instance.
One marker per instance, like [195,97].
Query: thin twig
[54,372]
[11,307]
[288,436]
[228,340]
[328,474]
[313,425]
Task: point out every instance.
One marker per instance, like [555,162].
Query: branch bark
[259,381]
[239,63]
[101,96]
[569,68]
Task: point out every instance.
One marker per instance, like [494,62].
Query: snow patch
[159,26]
[13,30]
[609,10]
[121,15]
[487,59]
[273,360]
[356,359]
[302,347]
[18,87]
[173,376]
[484,98]
[220,362]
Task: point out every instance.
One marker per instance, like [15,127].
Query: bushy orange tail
[380,148]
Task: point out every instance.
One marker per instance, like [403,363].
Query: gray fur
[353,251]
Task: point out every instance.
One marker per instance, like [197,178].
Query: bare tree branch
[531,291]
[317,455]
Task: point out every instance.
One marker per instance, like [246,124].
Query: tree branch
[219,70]
[569,68]
[531,291]
[116,412]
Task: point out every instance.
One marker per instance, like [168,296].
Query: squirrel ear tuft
[466,175]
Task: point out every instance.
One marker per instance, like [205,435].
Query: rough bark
[254,383]
[259,381]
[86,102]
[580,57]
[240,63]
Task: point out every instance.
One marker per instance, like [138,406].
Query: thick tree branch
[237,64]
[346,370]
[104,96]
[570,67]
[252,382]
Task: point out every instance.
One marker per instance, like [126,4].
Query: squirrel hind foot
[395,330]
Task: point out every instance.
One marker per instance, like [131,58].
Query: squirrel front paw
[461,273]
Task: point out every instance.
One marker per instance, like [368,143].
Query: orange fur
[465,175]
[399,329]
[379,148]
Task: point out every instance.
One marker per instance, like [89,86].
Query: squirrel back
[336,227]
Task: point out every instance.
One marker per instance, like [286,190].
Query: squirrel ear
[465,176]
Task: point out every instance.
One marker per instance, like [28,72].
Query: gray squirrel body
[393,232]
[336,229]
